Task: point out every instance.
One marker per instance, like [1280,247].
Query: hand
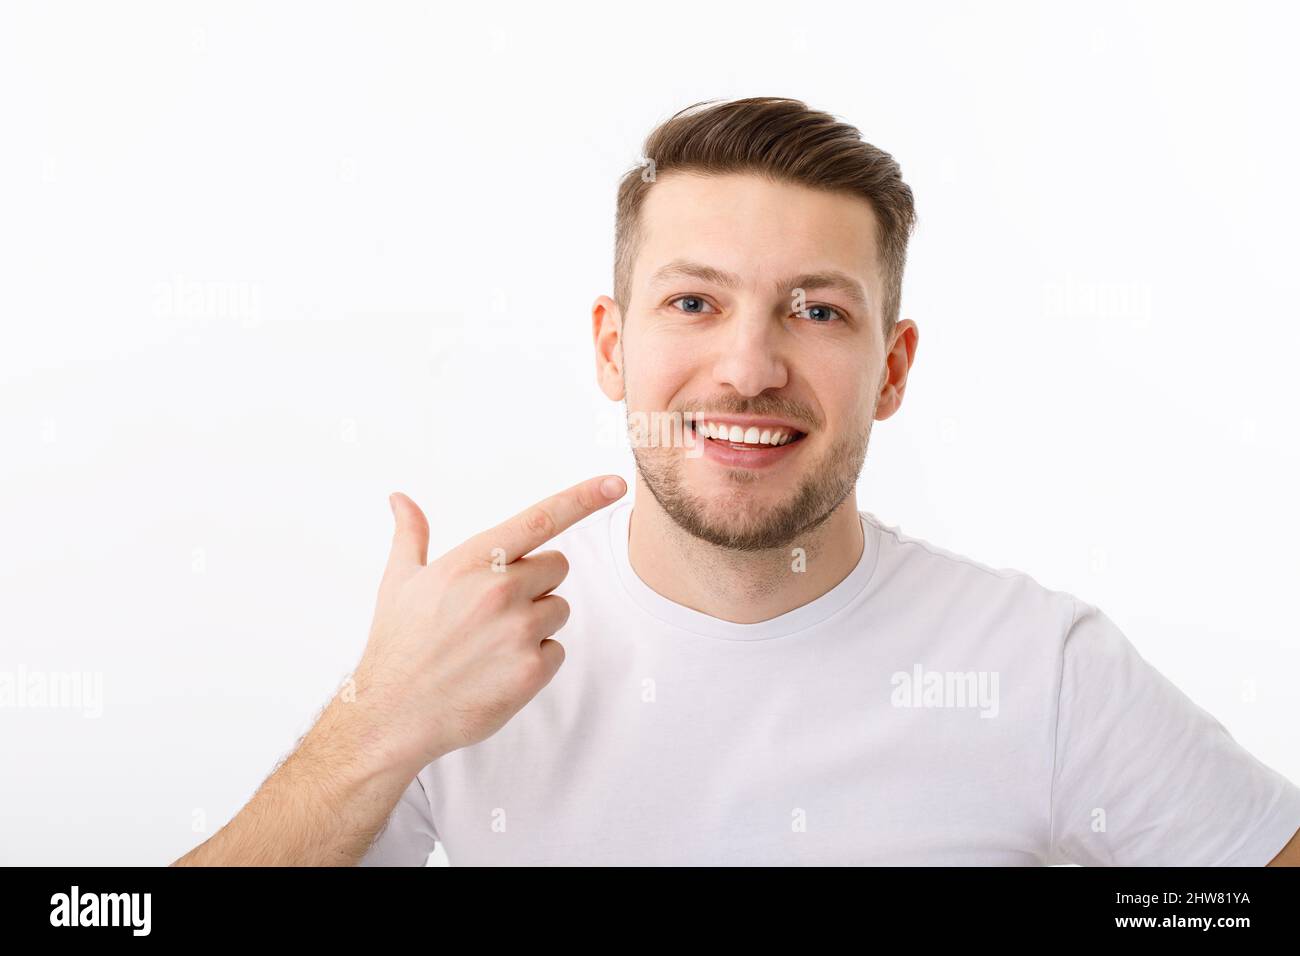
[459,645]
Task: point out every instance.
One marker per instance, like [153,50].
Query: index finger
[534,526]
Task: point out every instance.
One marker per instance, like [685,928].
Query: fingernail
[392,505]
[612,487]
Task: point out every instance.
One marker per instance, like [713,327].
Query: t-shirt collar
[696,622]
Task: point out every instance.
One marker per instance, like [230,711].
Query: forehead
[756,228]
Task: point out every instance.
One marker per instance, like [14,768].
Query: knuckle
[586,499]
[497,594]
[552,561]
[539,522]
[531,670]
[456,568]
[558,649]
[562,612]
[523,629]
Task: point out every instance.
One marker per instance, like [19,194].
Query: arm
[456,649]
[323,806]
[1290,854]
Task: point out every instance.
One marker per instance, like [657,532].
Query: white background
[264,264]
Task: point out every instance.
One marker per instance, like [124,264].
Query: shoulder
[913,566]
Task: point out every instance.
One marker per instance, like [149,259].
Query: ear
[607,334]
[899,357]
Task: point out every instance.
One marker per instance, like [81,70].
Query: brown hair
[786,141]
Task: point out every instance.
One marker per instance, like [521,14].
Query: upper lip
[745,421]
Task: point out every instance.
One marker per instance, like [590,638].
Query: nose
[749,358]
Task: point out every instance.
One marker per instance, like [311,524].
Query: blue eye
[814,313]
[689,298]
[812,309]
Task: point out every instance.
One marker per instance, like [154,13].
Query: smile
[744,445]
[742,436]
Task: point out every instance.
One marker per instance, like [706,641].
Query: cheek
[843,390]
[657,372]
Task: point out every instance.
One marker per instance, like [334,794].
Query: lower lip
[732,456]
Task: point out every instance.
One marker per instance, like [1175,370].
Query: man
[755,671]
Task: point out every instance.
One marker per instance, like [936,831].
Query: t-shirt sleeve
[409,836]
[1145,777]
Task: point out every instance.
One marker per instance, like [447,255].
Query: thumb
[410,533]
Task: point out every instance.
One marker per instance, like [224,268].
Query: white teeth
[747,436]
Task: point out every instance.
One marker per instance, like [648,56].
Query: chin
[745,493]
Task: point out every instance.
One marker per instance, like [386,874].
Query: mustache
[757,408]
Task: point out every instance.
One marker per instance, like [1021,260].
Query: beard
[734,519]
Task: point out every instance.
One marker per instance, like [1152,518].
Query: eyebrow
[825,279]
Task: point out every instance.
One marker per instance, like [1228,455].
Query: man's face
[730,347]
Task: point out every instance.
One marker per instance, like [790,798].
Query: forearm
[323,806]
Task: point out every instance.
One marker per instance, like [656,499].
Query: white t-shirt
[927,710]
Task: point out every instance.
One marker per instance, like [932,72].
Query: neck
[741,587]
